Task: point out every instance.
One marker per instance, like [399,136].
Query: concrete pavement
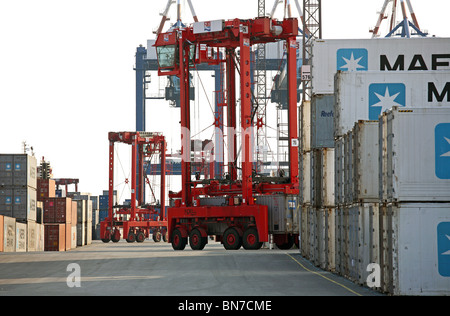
[154,269]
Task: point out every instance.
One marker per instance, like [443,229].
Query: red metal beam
[292,110]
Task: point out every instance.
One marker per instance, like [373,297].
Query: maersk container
[415,248]
[365,95]
[416,164]
[384,54]
[365,161]
[322,121]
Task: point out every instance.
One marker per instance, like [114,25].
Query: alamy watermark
[374,278]
[74,277]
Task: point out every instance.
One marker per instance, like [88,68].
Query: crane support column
[292,110]
[246,116]
[111,179]
[231,114]
[185,121]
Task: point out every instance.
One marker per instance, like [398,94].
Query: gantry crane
[138,219]
[239,209]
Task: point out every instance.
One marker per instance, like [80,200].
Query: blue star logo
[352,59]
[443,241]
[383,96]
[442,150]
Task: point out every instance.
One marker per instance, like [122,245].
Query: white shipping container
[305,192]
[322,177]
[339,171]
[417,249]
[356,240]
[365,95]
[417,158]
[365,161]
[383,54]
[305,126]
[328,157]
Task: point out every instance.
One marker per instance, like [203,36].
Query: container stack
[391,142]
[58,223]
[103,202]
[95,218]
[356,199]
[317,185]
[18,186]
[415,200]
[18,204]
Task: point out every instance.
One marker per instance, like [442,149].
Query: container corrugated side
[339,171]
[415,249]
[305,191]
[357,240]
[305,126]
[348,168]
[55,237]
[331,55]
[57,210]
[32,236]
[9,234]
[322,121]
[21,237]
[322,177]
[365,161]
[24,203]
[73,236]
[81,234]
[365,95]
[417,157]
[328,156]
[283,212]
[45,188]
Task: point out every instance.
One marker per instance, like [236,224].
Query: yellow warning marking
[326,278]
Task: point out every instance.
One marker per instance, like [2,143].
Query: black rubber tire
[231,239]
[250,239]
[196,241]
[140,237]
[157,236]
[178,241]
[131,237]
[287,245]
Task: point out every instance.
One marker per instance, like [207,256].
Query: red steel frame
[139,224]
[187,215]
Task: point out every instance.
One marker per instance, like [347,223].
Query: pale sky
[67,78]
